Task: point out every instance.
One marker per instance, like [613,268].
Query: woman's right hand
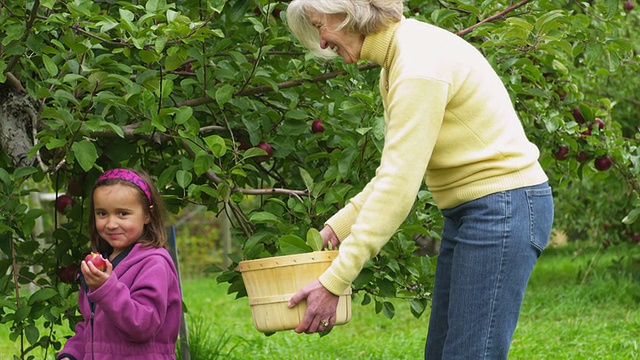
[329,237]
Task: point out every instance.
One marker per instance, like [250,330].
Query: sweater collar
[376,45]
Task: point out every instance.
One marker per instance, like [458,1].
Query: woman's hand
[329,237]
[94,276]
[321,308]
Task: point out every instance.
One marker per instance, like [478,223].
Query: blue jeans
[488,251]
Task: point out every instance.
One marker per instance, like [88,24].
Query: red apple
[582,156]
[316,126]
[74,188]
[636,238]
[63,202]
[97,260]
[562,152]
[577,114]
[599,122]
[628,5]
[68,274]
[267,148]
[603,163]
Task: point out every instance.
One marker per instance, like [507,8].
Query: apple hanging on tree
[603,163]
[267,148]
[63,203]
[316,126]
[562,152]
[67,274]
[628,5]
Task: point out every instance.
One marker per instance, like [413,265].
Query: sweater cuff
[333,283]
[342,221]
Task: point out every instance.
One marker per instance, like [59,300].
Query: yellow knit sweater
[449,122]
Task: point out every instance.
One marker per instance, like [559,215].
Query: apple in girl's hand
[97,260]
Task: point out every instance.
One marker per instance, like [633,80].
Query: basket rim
[287,260]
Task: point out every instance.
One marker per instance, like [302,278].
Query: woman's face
[345,43]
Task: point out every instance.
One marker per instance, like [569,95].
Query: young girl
[132,309]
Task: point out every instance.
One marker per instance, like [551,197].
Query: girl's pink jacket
[136,311]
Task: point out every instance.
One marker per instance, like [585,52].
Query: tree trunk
[17,116]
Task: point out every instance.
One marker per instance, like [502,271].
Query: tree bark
[17,116]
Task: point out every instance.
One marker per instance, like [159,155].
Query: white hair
[362,16]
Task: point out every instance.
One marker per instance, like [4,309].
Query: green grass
[565,316]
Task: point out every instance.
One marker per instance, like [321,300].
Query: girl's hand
[329,237]
[93,276]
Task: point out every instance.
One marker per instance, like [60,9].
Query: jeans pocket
[540,216]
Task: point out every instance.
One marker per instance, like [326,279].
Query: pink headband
[130,176]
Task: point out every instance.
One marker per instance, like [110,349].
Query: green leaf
[32,333]
[291,244]
[306,178]
[183,115]
[314,239]
[203,162]
[388,309]
[224,94]
[631,217]
[184,178]
[85,153]
[25,171]
[263,217]
[50,65]
[216,144]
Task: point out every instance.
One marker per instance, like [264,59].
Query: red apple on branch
[562,152]
[582,156]
[316,126]
[267,148]
[63,203]
[97,260]
[628,5]
[67,274]
[603,163]
[577,114]
[599,122]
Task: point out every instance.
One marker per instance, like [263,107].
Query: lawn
[565,316]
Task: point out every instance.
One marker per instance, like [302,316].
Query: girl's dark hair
[153,234]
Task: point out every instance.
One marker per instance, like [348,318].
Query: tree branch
[491,18]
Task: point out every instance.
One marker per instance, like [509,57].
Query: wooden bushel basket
[271,282]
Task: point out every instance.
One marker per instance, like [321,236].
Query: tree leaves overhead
[186,90]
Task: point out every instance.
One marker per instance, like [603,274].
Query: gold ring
[324,323]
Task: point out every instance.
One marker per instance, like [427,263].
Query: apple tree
[224,109]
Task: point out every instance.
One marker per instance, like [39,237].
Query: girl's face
[345,43]
[120,216]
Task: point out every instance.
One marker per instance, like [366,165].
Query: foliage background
[186,89]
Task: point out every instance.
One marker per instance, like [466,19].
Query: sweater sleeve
[415,111]
[137,312]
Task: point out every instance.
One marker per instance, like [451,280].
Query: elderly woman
[449,122]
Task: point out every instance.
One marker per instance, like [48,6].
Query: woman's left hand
[321,308]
